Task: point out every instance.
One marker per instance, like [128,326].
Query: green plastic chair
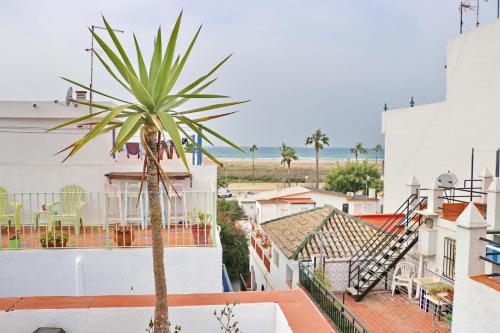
[7,216]
[69,209]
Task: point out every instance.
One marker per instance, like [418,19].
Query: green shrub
[351,177]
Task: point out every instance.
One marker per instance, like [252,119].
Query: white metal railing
[105,220]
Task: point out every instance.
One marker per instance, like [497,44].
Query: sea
[303,153]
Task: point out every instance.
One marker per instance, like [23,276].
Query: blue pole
[200,143]
[193,152]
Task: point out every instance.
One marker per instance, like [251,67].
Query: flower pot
[201,234]
[124,238]
[58,243]
[14,243]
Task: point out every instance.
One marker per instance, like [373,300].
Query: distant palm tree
[253,149]
[358,149]
[319,140]
[377,149]
[288,154]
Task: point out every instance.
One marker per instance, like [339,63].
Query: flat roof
[301,313]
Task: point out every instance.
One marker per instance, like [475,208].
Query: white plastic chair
[131,194]
[403,276]
[115,204]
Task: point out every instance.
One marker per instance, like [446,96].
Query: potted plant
[53,239]
[201,230]
[448,319]
[14,241]
[449,292]
[124,235]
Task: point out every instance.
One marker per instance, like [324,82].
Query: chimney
[81,95]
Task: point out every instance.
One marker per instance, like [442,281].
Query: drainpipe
[79,276]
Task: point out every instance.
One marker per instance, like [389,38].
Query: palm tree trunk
[317,168]
[253,165]
[376,157]
[356,155]
[161,306]
[288,171]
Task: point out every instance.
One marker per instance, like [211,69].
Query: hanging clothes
[133,149]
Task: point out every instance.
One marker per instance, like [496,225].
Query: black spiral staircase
[382,252]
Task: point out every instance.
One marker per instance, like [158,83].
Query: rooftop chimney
[81,95]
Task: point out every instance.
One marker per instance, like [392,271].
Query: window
[449,258]
[345,208]
[276,258]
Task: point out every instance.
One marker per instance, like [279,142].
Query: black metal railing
[492,251]
[338,313]
[362,263]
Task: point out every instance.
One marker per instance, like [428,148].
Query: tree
[288,154]
[234,242]
[352,177]
[318,140]
[358,149]
[377,149]
[253,149]
[152,111]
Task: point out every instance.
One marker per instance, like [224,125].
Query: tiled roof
[298,238]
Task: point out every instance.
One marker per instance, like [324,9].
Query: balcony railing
[105,220]
[345,321]
[262,252]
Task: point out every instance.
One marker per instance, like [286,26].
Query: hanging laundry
[168,148]
[133,149]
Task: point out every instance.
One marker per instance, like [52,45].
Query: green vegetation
[288,154]
[151,108]
[377,149]
[352,177]
[358,149]
[318,139]
[234,242]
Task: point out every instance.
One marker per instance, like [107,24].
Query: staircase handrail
[398,246]
[389,221]
[389,236]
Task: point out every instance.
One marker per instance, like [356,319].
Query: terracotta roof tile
[297,235]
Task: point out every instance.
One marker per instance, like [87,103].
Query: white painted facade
[80,272]
[283,273]
[271,319]
[29,164]
[431,139]
[266,211]
[261,208]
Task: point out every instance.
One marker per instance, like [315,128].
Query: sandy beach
[272,170]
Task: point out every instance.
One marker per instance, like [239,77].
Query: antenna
[69,96]
[465,6]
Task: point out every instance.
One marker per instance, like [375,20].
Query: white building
[428,140]
[321,234]
[93,262]
[268,205]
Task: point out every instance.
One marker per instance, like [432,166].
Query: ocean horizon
[303,153]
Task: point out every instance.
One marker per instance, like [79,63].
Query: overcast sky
[304,64]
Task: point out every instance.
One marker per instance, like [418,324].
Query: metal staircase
[382,252]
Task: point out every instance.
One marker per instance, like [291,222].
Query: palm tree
[288,154]
[253,149]
[358,149]
[319,140]
[152,111]
[377,149]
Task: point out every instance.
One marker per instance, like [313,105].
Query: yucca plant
[152,111]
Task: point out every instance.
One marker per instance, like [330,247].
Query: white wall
[28,162]
[276,278]
[107,272]
[257,318]
[431,139]
[271,211]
